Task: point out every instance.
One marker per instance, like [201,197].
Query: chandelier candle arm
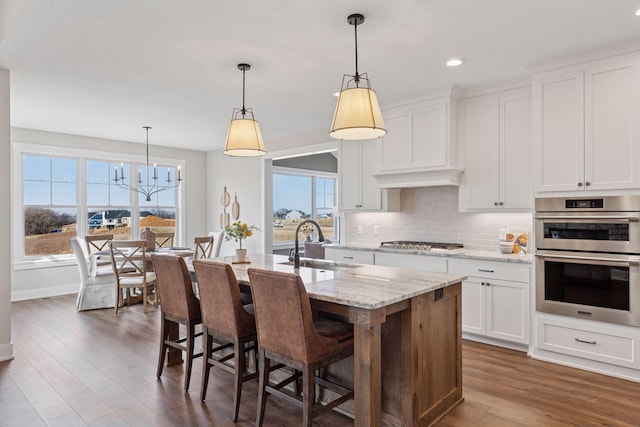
[151,187]
[357,115]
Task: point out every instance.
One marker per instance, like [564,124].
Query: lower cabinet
[349,255]
[495,299]
[613,344]
[412,261]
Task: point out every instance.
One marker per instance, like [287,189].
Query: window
[66,192]
[50,204]
[302,196]
[159,213]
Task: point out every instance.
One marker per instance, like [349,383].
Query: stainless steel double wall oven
[588,256]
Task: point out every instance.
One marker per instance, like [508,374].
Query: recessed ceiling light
[454,62]
[638,12]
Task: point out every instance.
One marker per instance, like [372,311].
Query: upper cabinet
[419,148]
[359,191]
[495,141]
[586,128]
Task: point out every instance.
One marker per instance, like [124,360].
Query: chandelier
[357,114]
[153,184]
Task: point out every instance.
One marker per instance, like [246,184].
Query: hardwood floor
[93,368]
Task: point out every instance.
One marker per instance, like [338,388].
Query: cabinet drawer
[412,261]
[490,269]
[609,346]
[349,255]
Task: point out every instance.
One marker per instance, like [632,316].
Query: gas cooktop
[422,246]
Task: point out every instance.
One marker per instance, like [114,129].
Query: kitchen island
[407,363]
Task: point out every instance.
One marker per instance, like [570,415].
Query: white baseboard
[6,352]
[44,292]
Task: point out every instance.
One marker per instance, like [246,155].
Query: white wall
[242,176]
[431,214]
[6,348]
[56,280]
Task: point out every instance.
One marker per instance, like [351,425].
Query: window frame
[281,170]
[22,262]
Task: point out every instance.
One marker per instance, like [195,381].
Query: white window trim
[18,260]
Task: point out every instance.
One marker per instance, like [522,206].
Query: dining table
[105,255]
[407,363]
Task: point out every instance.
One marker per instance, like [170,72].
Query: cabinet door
[507,310]
[612,144]
[350,175]
[515,150]
[417,137]
[558,117]
[349,255]
[473,306]
[479,133]
[371,193]
[412,261]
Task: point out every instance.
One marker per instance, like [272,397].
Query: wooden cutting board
[235,208]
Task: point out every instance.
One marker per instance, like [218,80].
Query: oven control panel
[584,204]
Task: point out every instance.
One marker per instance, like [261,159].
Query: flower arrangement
[239,231]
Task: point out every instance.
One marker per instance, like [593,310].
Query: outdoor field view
[48,232]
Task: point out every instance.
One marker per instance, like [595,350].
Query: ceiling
[107,68]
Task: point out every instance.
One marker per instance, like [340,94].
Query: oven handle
[625,262]
[634,217]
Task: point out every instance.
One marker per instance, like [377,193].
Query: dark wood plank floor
[93,368]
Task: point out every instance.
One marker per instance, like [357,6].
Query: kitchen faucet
[296,256]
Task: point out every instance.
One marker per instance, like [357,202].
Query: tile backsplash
[431,214]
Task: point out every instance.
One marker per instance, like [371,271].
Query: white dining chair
[96,291]
[218,236]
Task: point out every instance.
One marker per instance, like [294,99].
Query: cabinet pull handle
[495,203]
[585,342]
[347,257]
[486,271]
[579,184]
[501,203]
[488,284]
[587,183]
[481,283]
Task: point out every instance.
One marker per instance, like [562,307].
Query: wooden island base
[420,357]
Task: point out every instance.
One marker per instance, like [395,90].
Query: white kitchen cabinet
[586,339]
[359,191]
[495,299]
[418,149]
[349,255]
[412,261]
[585,128]
[494,132]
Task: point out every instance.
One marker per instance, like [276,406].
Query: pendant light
[244,138]
[357,114]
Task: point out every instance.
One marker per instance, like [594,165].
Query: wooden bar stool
[179,306]
[225,320]
[288,334]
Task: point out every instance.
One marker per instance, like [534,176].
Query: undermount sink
[321,264]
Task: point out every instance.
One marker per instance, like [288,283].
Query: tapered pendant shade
[357,115]
[244,139]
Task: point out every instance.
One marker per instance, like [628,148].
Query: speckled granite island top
[355,285]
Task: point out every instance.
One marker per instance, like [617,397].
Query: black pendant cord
[147,128]
[355,31]
[244,110]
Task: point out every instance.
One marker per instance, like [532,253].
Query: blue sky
[53,181]
[294,192]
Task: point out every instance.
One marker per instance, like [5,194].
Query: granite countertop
[355,285]
[462,253]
